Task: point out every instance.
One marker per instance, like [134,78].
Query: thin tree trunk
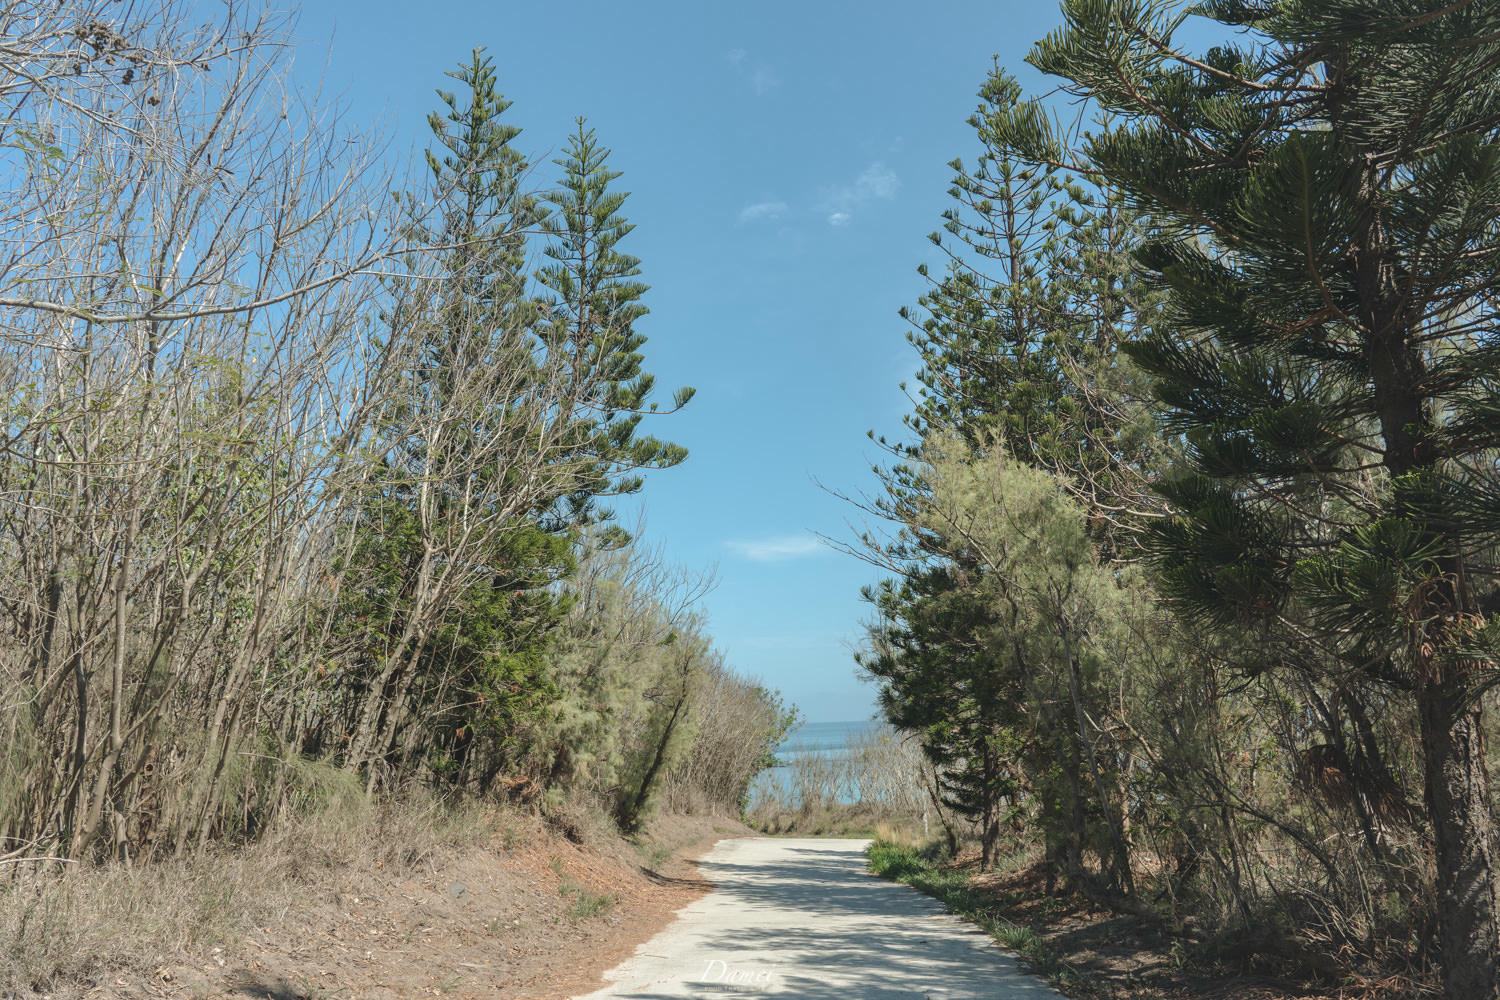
[934,792]
[1457,791]
[630,816]
[989,832]
[1111,818]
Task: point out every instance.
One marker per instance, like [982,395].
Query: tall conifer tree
[1326,193]
[469,663]
[1018,340]
[541,362]
[591,305]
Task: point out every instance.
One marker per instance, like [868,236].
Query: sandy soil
[531,916]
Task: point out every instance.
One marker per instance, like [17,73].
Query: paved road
[804,919]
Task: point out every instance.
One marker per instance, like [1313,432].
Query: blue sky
[785,162]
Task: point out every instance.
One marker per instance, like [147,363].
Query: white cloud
[877,182]
[760,76]
[778,548]
[763,210]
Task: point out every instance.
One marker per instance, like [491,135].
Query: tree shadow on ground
[818,926]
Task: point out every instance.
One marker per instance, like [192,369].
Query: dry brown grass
[873,787]
[905,832]
[62,932]
[852,820]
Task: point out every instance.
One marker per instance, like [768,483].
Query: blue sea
[830,738]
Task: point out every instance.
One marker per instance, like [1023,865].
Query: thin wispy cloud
[877,182]
[779,548]
[760,76]
[763,81]
[763,211]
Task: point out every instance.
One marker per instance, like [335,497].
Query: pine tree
[590,313]
[991,331]
[1020,334]
[1326,201]
[943,677]
[1018,341]
[455,620]
[522,411]
[485,216]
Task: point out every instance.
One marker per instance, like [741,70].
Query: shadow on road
[804,919]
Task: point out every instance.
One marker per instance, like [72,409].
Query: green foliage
[591,304]
[951,887]
[894,861]
[993,648]
[1319,192]
[484,212]
[668,726]
[608,651]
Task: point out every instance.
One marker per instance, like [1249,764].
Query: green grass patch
[898,863]
[921,869]
[582,903]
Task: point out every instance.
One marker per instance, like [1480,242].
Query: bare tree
[184,284]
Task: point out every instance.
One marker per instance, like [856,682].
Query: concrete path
[804,919]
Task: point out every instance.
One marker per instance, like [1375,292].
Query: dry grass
[383,902]
[903,833]
[854,820]
[873,787]
[63,931]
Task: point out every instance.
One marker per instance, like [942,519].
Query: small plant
[894,861]
[1016,937]
[582,902]
[656,854]
[917,868]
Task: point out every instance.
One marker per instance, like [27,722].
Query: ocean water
[829,738]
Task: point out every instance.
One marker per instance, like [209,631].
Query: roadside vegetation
[1188,554]
[873,785]
[923,869]
[304,489]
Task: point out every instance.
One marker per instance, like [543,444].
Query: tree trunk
[989,830]
[1457,791]
[631,808]
[1456,780]
[935,794]
[1124,877]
